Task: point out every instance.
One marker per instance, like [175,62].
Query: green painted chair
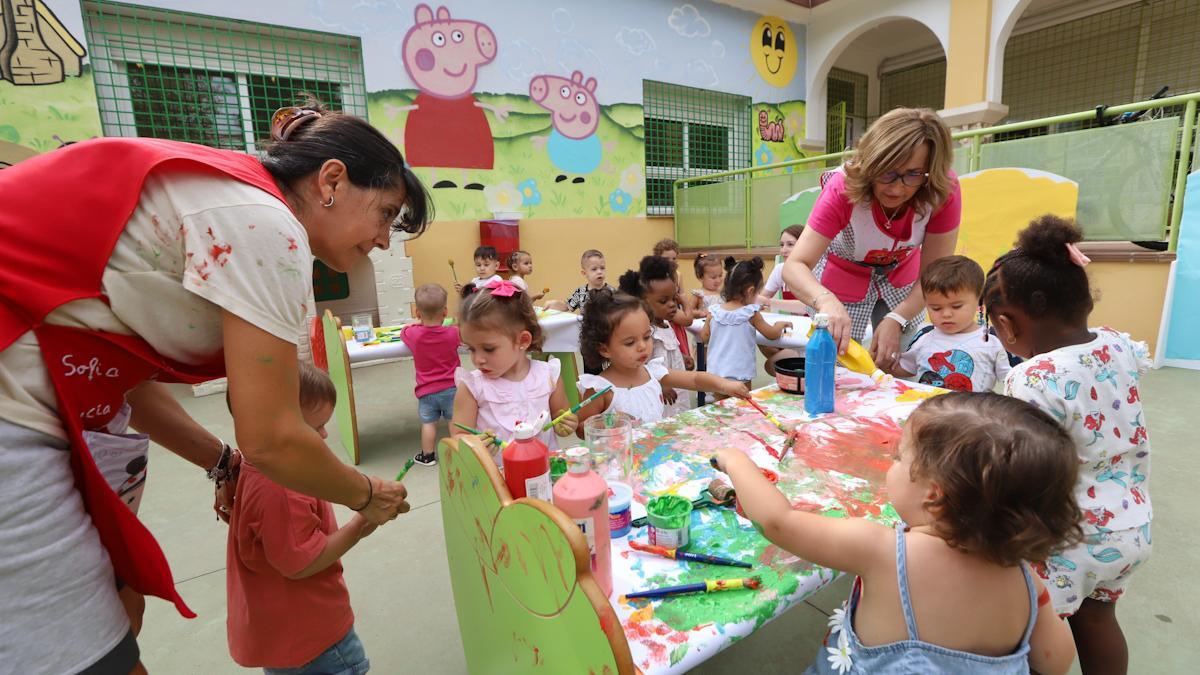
[338,360]
[523,589]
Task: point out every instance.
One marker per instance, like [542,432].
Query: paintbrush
[709,586]
[576,408]
[676,554]
[791,436]
[407,465]
[453,273]
[499,443]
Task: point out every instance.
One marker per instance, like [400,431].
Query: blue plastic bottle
[820,358]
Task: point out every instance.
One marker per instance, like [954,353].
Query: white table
[795,338]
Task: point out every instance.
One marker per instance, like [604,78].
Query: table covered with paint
[837,468]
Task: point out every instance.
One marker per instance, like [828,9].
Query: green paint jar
[670,518]
[558,467]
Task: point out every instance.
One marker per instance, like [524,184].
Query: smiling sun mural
[774,50]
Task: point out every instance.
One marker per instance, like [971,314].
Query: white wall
[835,25]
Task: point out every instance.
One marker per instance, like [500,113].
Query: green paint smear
[669,511]
[678,653]
[721,534]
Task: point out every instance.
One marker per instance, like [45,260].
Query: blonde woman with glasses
[884,215]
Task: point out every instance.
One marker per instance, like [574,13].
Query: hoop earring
[328,203]
[1012,340]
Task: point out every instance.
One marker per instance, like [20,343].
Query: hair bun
[1046,239]
[631,283]
[755,263]
[730,262]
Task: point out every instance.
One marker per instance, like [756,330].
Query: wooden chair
[521,576]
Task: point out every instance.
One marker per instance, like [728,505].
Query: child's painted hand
[567,426]
[725,456]
[669,396]
[688,362]
[735,389]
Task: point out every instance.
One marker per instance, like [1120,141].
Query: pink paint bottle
[583,495]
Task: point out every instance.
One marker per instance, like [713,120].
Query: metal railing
[975,147]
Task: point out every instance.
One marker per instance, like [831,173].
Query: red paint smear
[678,638]
[292,244]
[220,253]
[859,446]
[773,451]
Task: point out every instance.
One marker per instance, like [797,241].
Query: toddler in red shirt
[289,608]
[435,357]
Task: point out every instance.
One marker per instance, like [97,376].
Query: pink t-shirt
[435,356]
[274,621]
[833,212]
[502,403]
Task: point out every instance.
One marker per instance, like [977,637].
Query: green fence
[1131,177]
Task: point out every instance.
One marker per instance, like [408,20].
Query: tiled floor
[400,588]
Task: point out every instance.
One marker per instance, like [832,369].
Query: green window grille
[849,88]
[920,86]
[690,132]
[1101,58]
[329,284]
[836,138]
[211,80]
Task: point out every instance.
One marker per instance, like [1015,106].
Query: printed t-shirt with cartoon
[959,361]
[1092,390]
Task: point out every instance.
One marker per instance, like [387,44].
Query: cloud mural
[686,21]
[636,41]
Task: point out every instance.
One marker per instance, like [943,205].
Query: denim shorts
[347,657]
[438,405]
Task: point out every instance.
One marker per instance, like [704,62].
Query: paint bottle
[820,360]
[527,462]
[583,495]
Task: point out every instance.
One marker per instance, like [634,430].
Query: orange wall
[555,243]
[1129,297]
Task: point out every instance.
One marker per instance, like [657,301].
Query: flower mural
[763,155]
[619,200]
[530,196]
[632,180]
[502,197]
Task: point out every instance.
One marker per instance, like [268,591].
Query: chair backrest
[520,571]
[338,360]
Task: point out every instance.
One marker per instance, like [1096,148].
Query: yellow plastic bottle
[857,359]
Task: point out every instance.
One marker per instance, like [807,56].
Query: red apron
[64,212]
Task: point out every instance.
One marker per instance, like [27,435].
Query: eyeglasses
[910,179]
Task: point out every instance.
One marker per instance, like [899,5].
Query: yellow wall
[1129,297]
[555,243]
[966,64]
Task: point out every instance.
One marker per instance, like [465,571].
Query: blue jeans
[347,657]
[438,405]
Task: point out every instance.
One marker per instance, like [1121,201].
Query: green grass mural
[43,117]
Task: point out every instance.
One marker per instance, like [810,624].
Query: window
[690,132]
[850,88]
[209,80]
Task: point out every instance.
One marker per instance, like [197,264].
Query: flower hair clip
[285,121]
[503,289]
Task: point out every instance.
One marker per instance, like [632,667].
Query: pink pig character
[446,126]
[572,145]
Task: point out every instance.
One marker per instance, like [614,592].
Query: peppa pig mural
[572,145]
[446,126]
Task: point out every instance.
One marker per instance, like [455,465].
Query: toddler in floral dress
[1038,299]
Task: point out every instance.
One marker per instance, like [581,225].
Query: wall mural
[516,107]
[46,92]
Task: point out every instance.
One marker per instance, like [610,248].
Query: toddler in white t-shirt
[955,352]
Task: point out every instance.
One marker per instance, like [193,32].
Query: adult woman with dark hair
[126,263]
[893,208]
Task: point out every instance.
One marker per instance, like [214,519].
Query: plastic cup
[609,437]
[670,520]
[364,329]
